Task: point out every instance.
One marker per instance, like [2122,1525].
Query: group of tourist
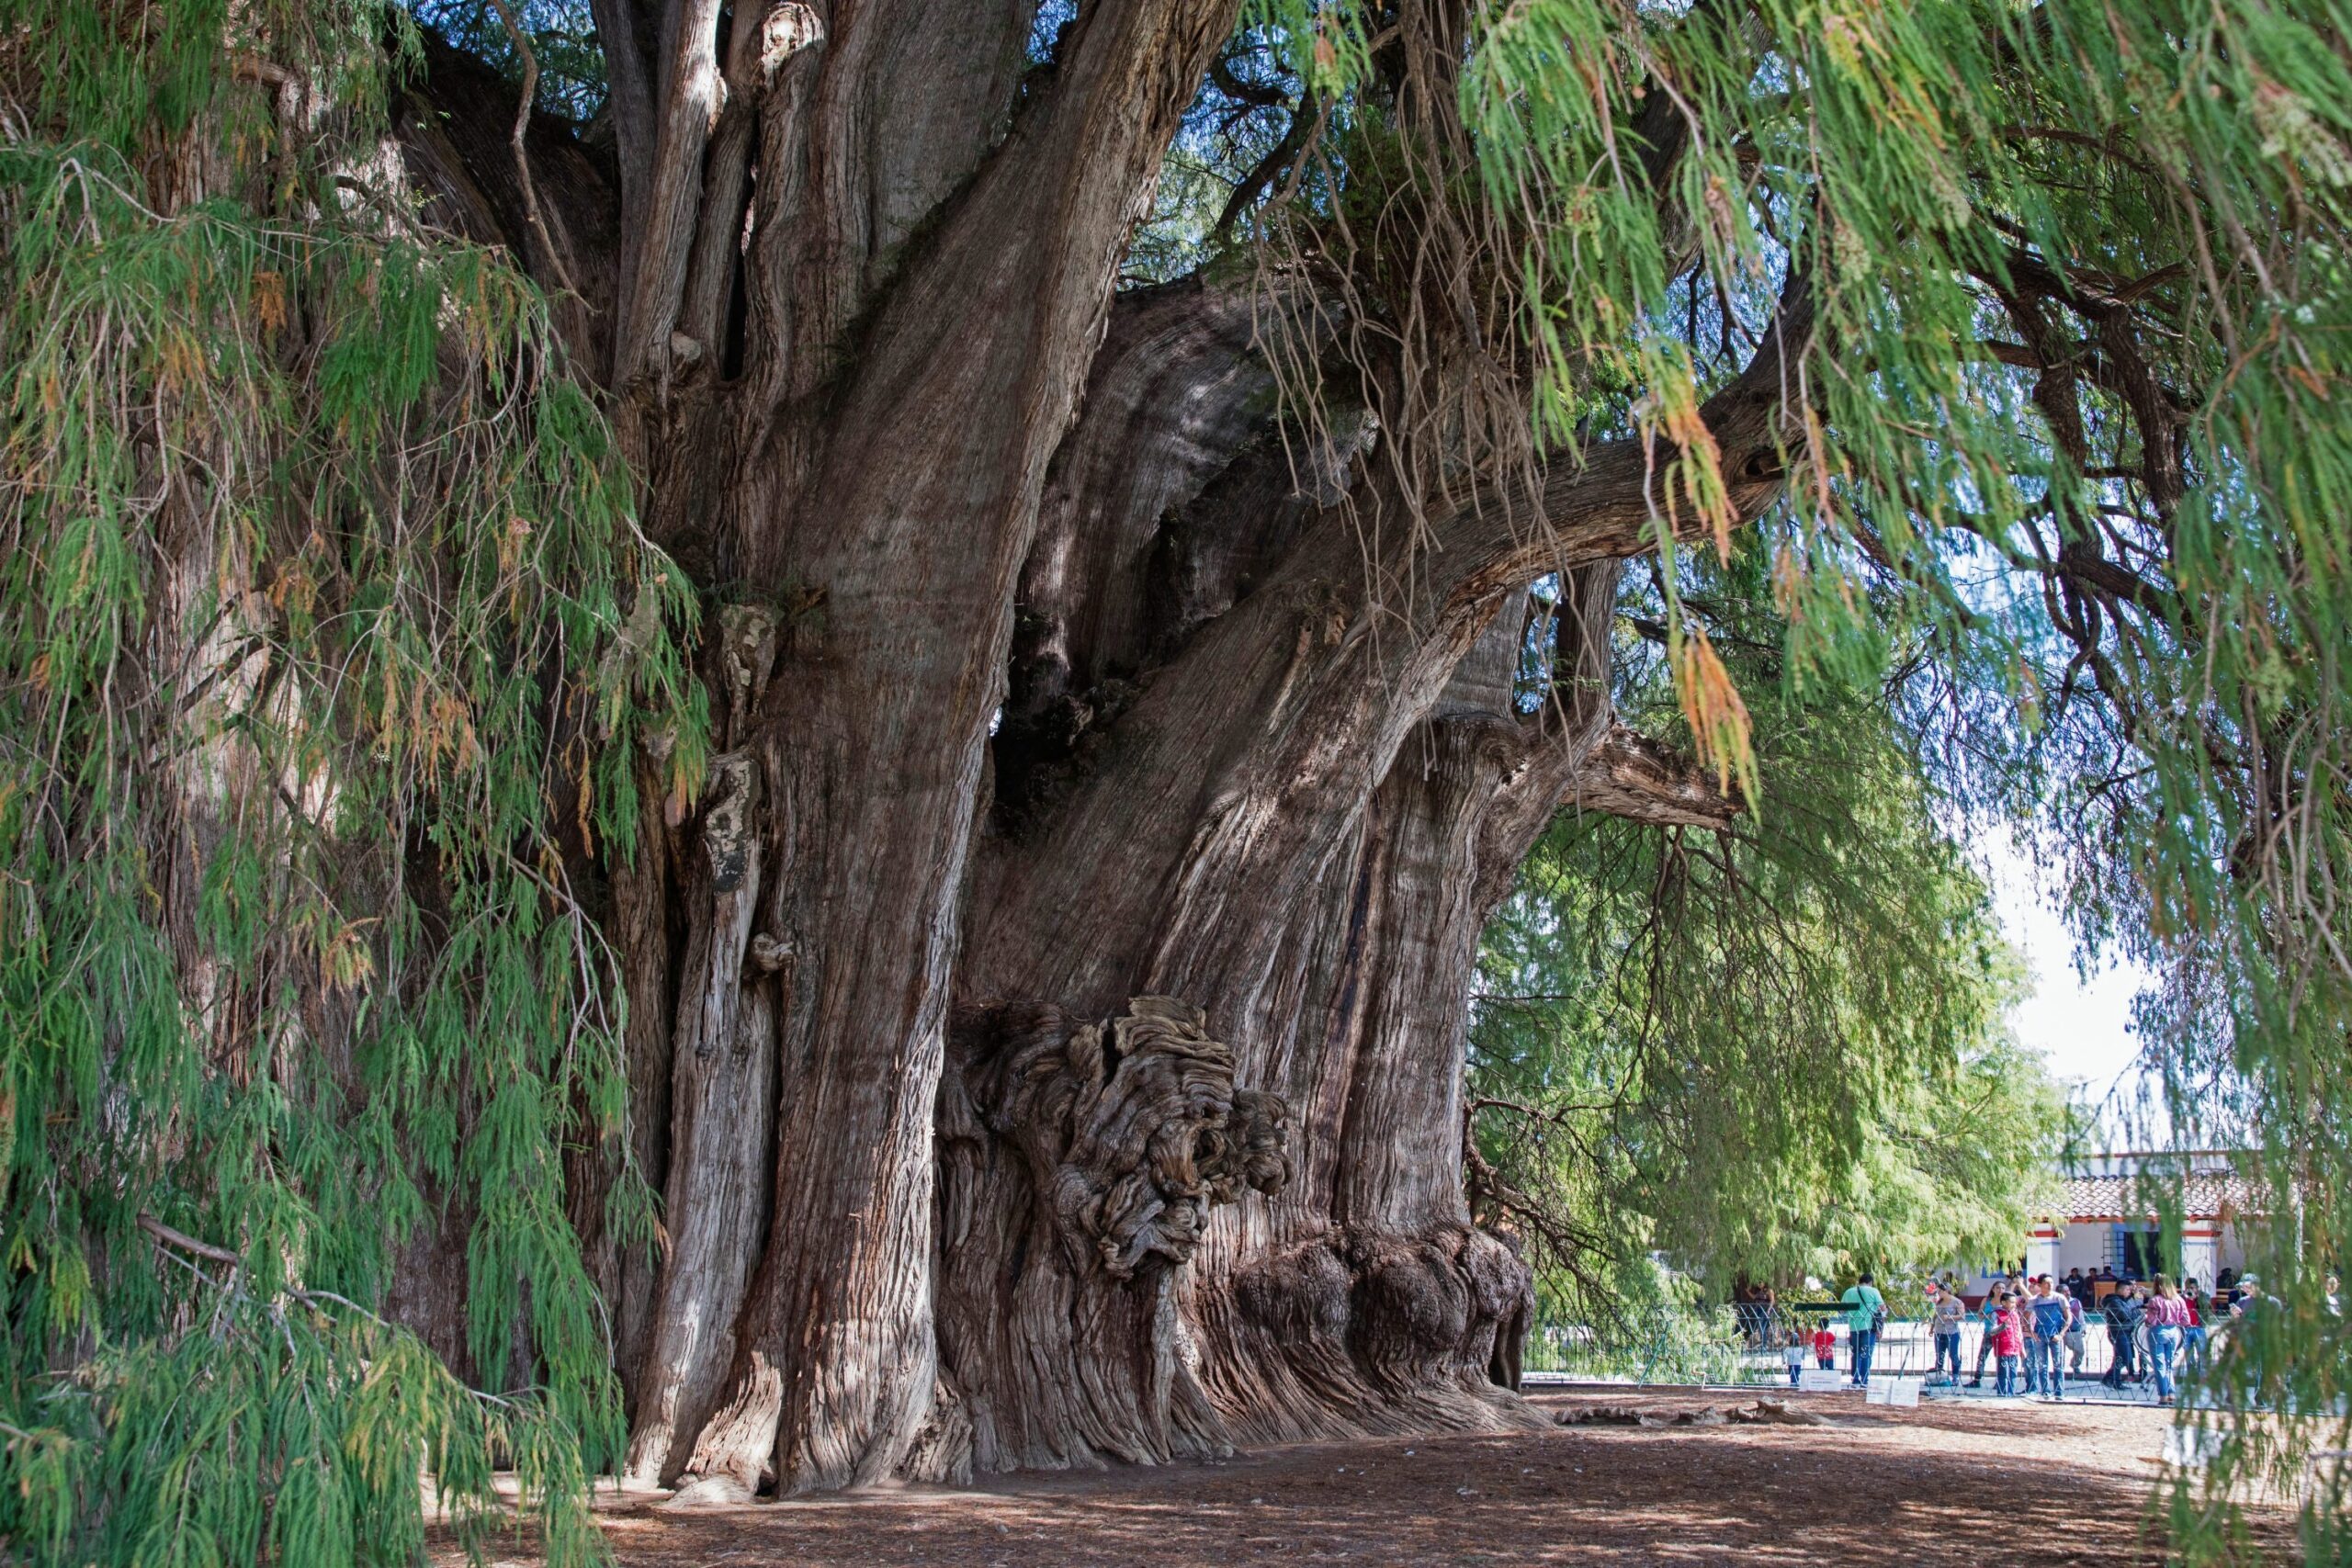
[1862,1307]
[2031,1332]
[2034,1331]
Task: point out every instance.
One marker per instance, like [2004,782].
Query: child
[2009,1344]
[1825,1348]
[1793,1351]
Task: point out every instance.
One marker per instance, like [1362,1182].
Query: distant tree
[1773,1050]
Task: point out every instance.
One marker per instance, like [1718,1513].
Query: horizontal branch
[1628,775]
[179,1241]
[1614,503]
[185,1242]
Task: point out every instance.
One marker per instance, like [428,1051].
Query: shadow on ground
[1942,1483]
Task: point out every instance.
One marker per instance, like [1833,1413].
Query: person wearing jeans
[1864,1306]
[2167,1318]
[1988,1315]
[2046,1350]
[2008,1341]
[2123,1323]
[2051,1373]
[1862,1343]
[1949,1313]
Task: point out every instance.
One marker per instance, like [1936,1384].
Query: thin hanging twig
[522,158]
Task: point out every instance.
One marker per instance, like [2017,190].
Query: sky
[2083,1025]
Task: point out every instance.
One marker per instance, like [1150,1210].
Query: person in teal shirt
[1864,1307]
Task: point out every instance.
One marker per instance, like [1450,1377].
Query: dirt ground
[1941,1484]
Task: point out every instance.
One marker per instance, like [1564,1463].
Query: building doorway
[2140,1252]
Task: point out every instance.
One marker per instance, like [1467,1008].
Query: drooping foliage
[326,636]
[1770,1053]
[2075,283]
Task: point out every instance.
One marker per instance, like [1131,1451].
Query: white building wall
[2041,1249]
[2200,1253]
[2082,1246]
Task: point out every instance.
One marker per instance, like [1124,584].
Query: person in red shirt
[2009,1344]
[1825,1348]
[2201,1312]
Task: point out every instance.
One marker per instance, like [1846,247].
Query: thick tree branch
[757,50]
[628,93]
[1628,775]
[663,226]
[1617,503]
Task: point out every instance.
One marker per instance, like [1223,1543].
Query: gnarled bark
[1301,821]
[1079,1164]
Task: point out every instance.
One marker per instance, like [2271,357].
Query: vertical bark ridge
[902,547]
[627,1269]
[1393,1312]
[722,1094]
[688,104]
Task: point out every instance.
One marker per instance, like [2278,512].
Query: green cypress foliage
[1772,1052]
[2077,397]
[326,640]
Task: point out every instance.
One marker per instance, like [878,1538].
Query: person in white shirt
[1948,1311]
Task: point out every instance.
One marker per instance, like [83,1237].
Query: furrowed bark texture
[1133,738]
[1297,815]
[1375,1305]
[892,524]
[851,456]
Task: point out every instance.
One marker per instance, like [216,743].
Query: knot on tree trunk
[1451,1304]
[730,826]
[1131,1127]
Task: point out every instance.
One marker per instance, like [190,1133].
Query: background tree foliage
[325,616]
[1777,1051]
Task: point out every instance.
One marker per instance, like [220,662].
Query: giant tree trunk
[858,483]
[793,1345]
[1187,1169]
[1294,807]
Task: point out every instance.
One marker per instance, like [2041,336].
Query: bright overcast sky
[2082,1025]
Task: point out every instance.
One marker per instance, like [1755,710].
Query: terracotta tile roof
[2118,1197]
